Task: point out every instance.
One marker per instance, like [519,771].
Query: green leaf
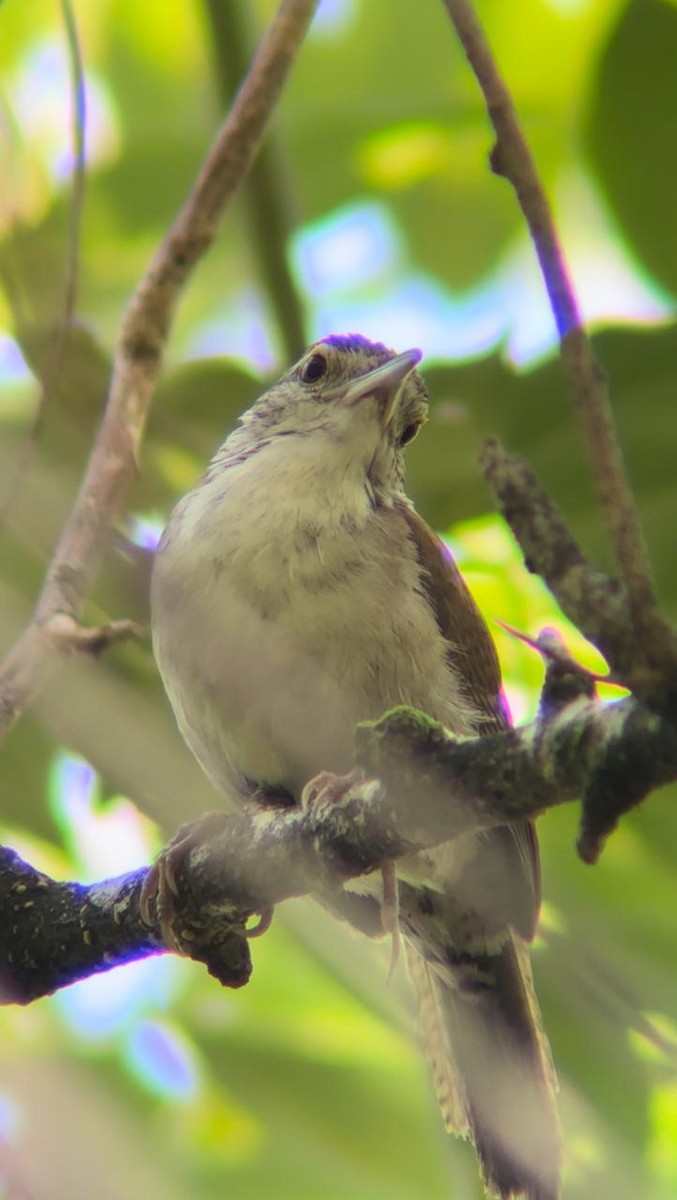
[630,132]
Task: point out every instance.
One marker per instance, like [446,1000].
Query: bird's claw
[160,888]
[326,788]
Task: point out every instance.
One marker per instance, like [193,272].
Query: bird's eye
[409,433]
[314,369]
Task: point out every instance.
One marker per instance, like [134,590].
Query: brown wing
[473,658]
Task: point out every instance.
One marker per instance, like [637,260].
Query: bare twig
[93,639]
[512,158]
[594,602]
[430,787]
[79,131]
[57,340]
[141,341]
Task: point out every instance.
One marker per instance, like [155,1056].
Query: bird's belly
[270,660]
[275,698]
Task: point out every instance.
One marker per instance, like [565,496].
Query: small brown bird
[296,592]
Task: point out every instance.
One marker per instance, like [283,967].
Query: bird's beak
[385,383]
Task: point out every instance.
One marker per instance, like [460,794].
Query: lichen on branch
[416,786]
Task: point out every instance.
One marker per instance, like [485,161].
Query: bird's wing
[489,1055]
[510,853]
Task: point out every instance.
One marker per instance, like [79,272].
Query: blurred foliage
[636,169]
[309,1082]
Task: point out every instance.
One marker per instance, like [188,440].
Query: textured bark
[418,786]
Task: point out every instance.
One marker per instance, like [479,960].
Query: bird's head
[347,396]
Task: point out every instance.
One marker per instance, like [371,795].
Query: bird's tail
[493,1070]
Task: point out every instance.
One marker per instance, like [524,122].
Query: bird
[296,592]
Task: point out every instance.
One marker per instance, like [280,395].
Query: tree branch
[655,642]
[594,602]
[143,333]
[423,787]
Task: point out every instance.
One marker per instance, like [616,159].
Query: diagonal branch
[595,603]
[143,333]
[655,641]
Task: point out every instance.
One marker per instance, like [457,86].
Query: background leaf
[629,132]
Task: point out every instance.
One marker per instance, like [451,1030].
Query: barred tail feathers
[493,1071]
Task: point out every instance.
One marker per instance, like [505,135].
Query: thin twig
[595,603]
[512,159]
[59,334]
[79,132]
[143,333]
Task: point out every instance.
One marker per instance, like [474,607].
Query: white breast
[286,608]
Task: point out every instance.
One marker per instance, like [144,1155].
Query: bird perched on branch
[295,593]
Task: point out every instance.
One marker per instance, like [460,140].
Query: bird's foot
[160,889]
[326,788]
